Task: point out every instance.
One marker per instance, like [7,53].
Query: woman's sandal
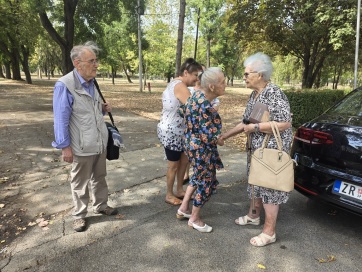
[182,215]
[246,220]
[205,228]
[262,240]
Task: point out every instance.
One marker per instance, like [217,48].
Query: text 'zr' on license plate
[347,189]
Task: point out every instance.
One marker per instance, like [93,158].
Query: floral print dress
[203,126]
[279,111]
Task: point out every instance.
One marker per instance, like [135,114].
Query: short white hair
[260,63]
[78,50]
[210,76]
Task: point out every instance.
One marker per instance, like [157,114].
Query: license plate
[343,188]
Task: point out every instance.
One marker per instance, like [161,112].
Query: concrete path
[148,237]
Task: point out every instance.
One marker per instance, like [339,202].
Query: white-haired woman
[203,128]
[258,70]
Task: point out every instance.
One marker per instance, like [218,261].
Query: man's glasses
[92,61]
[247,74]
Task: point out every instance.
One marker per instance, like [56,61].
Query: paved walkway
[148,237]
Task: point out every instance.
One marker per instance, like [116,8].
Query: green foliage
[308,29]
[287,69]
[160,57]
[47,55]
[308,104]
[18,34]
[120,42]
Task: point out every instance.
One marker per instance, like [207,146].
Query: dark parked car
[328,151]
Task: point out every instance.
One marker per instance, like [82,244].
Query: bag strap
[276,133]
[101,95]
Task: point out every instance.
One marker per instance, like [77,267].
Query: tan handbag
[272,168]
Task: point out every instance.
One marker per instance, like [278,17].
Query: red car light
[311,136]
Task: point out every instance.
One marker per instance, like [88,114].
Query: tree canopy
[310,30]
[309,41]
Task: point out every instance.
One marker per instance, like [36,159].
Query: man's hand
[67,154]
[106,107]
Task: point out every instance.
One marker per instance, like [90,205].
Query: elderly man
[81,133]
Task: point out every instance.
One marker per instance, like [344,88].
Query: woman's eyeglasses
[247,74]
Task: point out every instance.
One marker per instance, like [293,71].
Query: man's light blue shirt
[62,109]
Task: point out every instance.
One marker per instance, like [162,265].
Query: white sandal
[182,215]
[262,240]
[205,228]
[246,220]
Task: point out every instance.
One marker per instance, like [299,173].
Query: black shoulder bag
[114,137]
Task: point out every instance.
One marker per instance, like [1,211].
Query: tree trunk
[15,64]
[1,71]
[13,55]
[7,70]
[112,72]
[125,72]
[65,44]
[313,65]
[317,81]
[337,76]
[25,63]
[208,52]
[180,35]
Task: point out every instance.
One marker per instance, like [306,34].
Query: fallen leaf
[261,266]
[43,223]
[4,179]
[39,220]
[330,258]
[333,212]
[2,241]
[120,216]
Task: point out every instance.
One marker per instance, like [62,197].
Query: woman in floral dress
[203,127]
[258,70]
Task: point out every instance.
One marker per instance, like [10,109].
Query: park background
[312,43]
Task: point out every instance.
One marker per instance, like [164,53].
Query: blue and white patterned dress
[170,129]
[279,111]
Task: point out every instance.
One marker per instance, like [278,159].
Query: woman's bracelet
[256,128]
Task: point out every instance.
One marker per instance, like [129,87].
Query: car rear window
[351,105]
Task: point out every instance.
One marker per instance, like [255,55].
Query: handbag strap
[101,95]
[276,133]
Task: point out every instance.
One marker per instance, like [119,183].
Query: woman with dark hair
[170,129]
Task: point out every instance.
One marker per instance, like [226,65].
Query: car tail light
[311,136]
